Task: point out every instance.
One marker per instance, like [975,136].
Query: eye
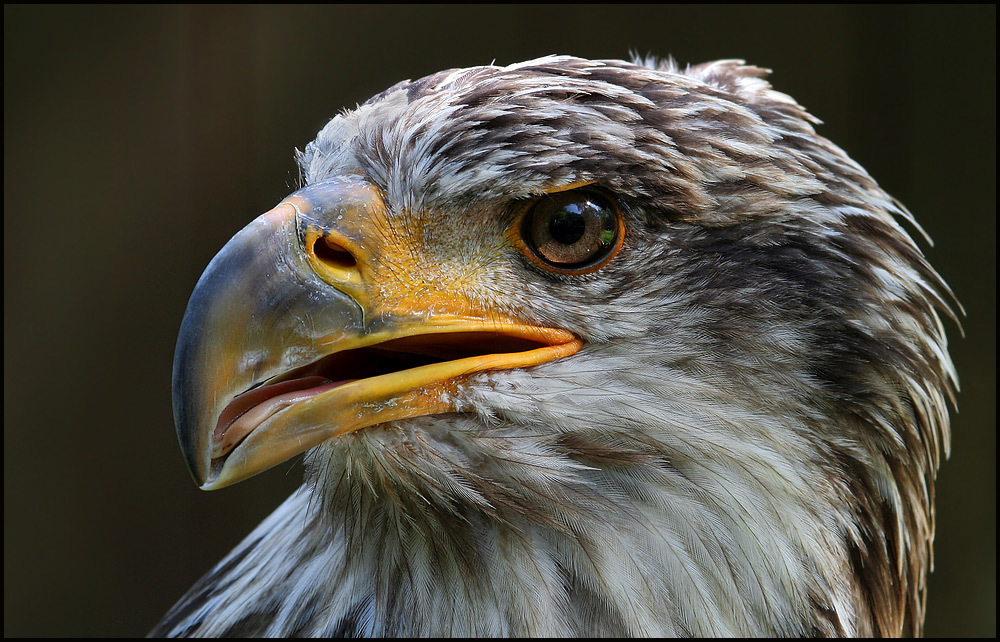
[575,231]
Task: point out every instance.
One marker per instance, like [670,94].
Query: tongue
[250,409]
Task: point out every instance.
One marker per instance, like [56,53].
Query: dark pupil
[567,224]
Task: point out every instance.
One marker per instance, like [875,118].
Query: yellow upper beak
[313,321]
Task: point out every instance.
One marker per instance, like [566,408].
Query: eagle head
[572,347]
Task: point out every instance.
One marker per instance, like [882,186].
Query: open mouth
[392,366]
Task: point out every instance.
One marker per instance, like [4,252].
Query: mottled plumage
[745,445]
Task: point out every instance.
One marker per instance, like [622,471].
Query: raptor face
[574,348]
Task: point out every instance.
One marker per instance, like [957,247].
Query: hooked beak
[301,330]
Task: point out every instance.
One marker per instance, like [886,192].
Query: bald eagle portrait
[572,348]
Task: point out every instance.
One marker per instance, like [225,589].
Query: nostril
[333,254]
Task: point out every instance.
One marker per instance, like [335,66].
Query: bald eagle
[572,347]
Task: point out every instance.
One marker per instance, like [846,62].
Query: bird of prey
[572,347]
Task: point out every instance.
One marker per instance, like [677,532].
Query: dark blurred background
[137,140]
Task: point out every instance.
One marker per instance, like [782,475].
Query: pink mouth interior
[250,409]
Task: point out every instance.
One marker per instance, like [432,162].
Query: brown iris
[573,231]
